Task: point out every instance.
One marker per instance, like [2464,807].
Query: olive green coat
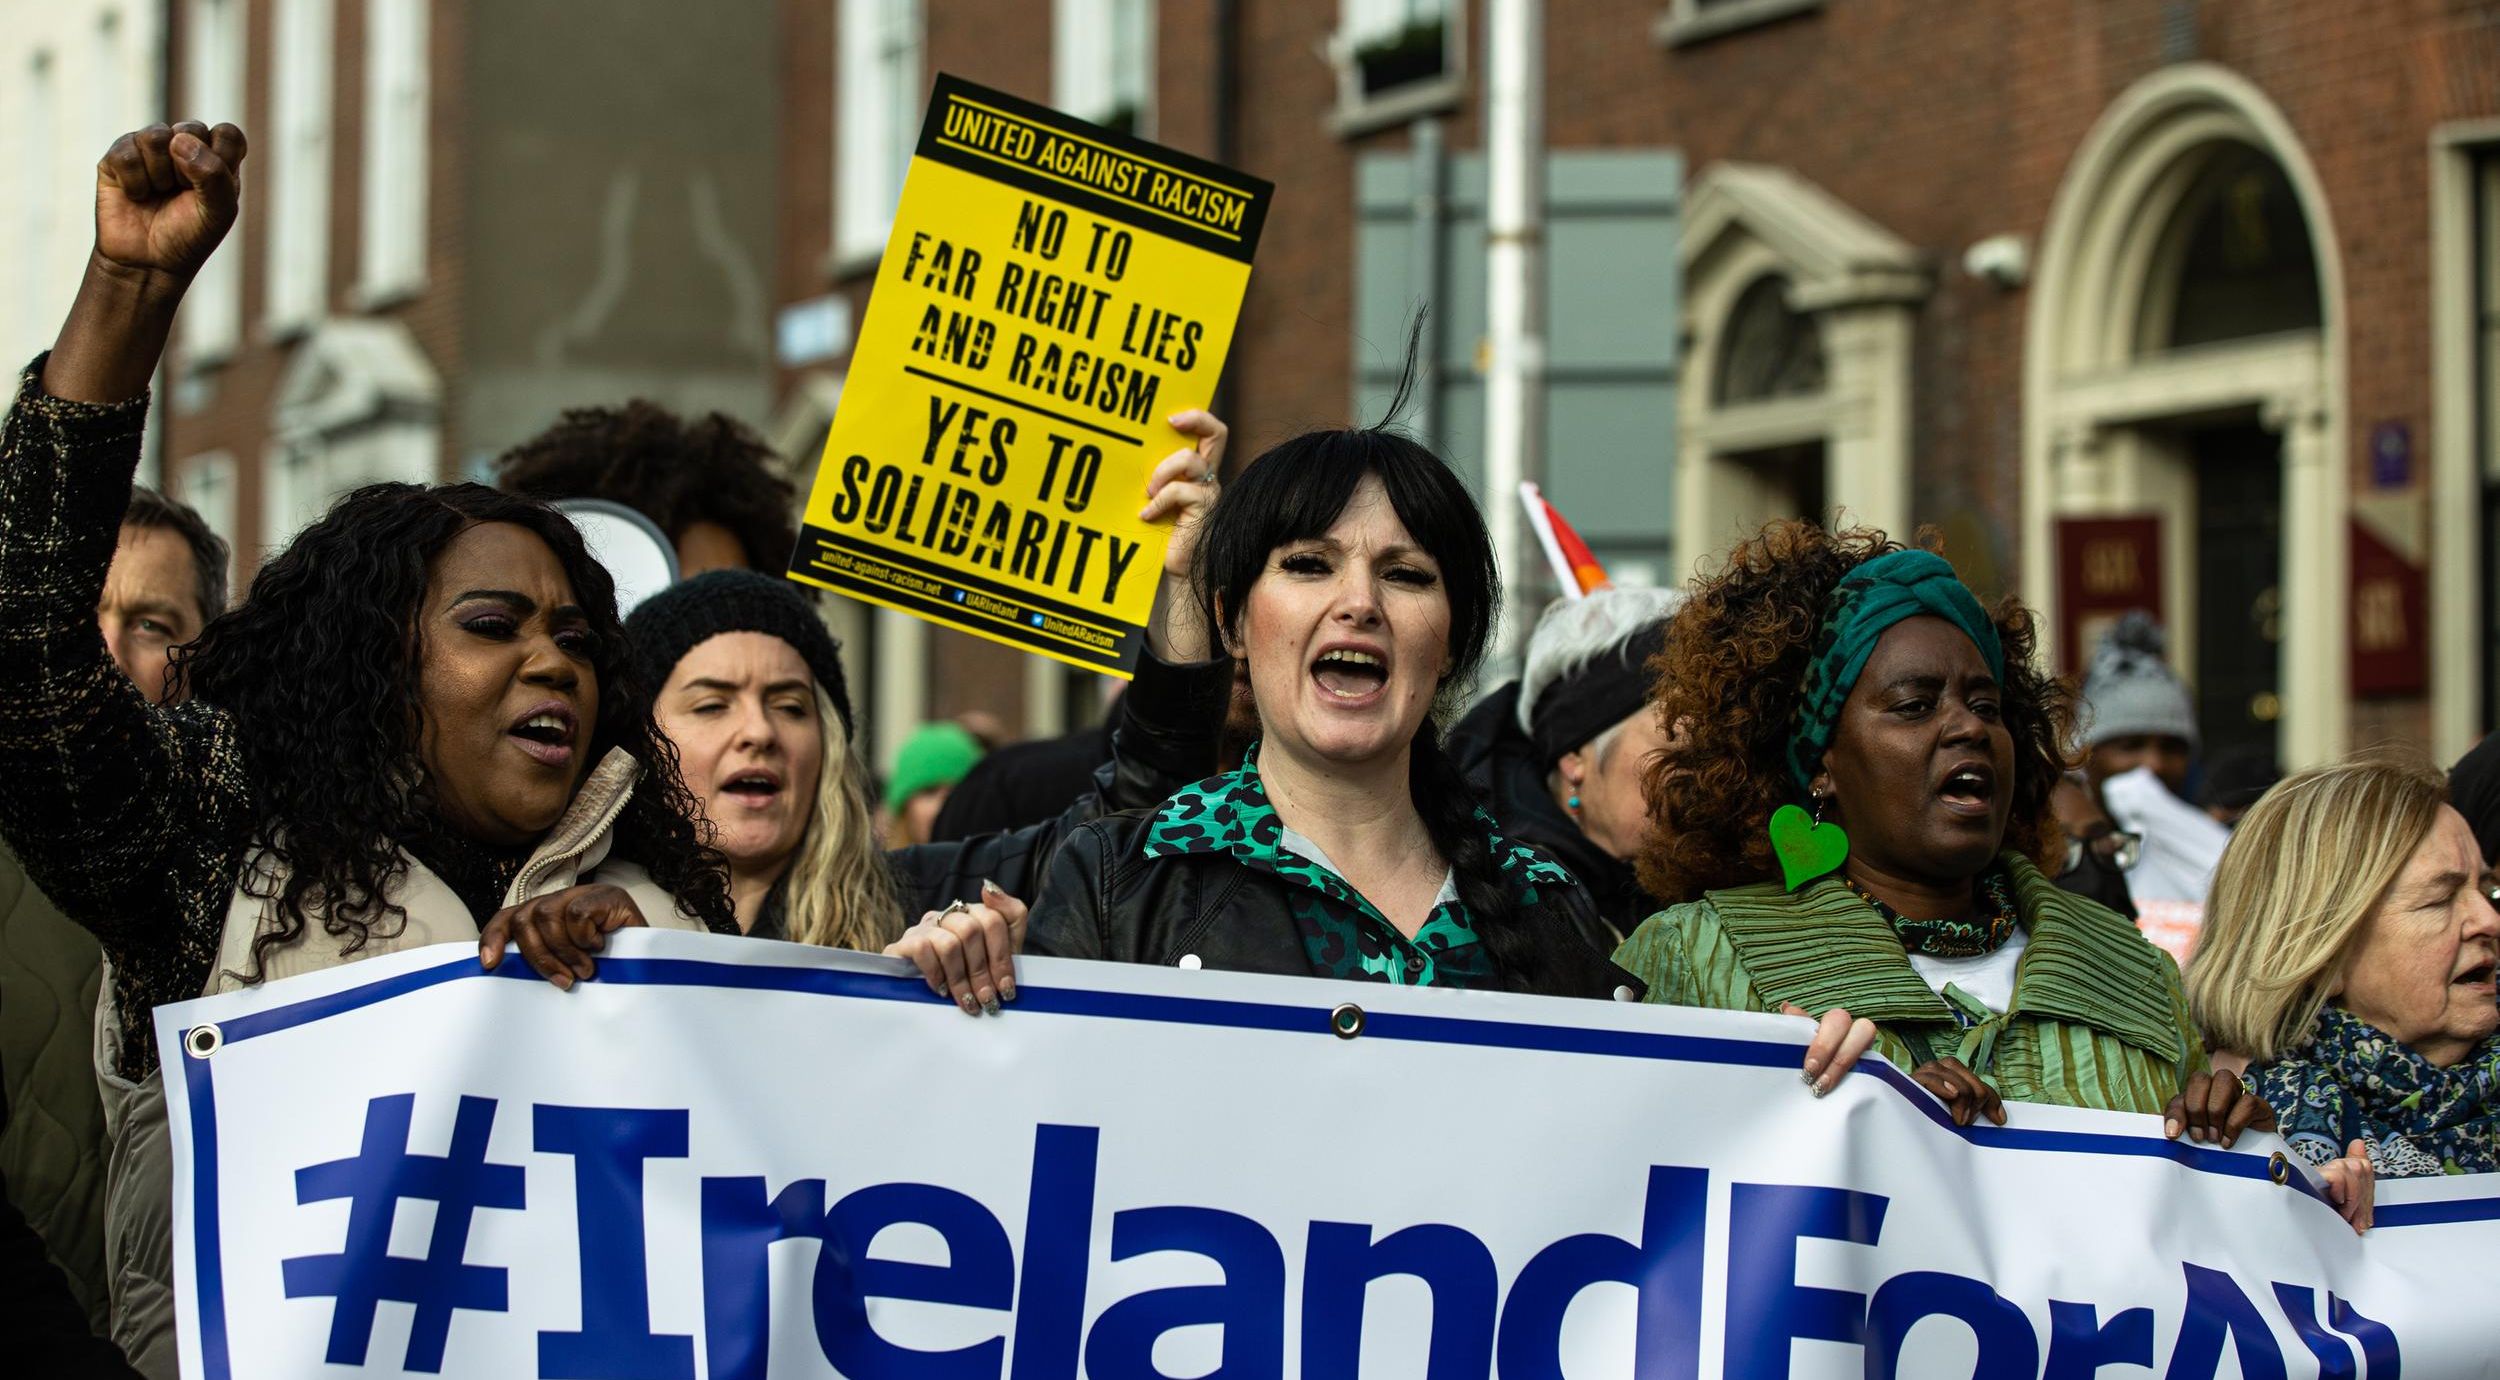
[2097,1018]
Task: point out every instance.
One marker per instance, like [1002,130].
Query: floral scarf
[2353,1081]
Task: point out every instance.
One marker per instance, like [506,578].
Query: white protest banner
[736,1159]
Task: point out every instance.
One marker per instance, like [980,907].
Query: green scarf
[1869,600]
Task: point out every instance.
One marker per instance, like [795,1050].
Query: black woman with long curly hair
[417,729]
[1851,821]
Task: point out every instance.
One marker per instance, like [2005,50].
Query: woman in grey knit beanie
[2136,709]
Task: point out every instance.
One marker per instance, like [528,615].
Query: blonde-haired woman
[2348,952]
[751,691]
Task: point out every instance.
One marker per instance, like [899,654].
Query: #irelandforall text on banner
[1052,293]
[737,1159]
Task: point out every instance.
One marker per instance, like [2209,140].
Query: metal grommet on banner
[2279,1168]
[1346,1021]
[201,1041]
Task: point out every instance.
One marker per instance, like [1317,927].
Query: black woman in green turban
[1849,825]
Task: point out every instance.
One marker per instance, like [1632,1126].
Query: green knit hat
[936,754]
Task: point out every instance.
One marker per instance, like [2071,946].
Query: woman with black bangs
[417,729]
[1350,570]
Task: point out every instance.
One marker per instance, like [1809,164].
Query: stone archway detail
[2093,394]
[1861,285]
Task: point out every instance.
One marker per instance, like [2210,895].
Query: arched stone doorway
[1799,315]
[2185,360]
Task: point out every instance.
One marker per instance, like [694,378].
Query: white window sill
[202,359]
[1684,25]
[383,296]
[286,330]
[1398,105]
[848,265]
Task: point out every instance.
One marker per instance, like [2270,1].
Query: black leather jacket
[1169,721]
[1103,898]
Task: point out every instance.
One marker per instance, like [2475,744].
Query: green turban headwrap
[1869,600]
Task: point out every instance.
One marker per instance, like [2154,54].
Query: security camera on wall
[2001,259]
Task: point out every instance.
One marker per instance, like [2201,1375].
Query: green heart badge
[1807,850]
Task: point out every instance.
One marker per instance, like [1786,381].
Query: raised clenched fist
[165,195]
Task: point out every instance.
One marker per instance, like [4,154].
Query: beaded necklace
[1954,938]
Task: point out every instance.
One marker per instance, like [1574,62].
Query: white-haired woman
[2348,952]
[1559,752]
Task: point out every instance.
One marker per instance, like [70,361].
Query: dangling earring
[1806,847]
[1573,804]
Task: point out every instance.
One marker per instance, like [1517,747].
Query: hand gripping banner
[736,1159]
[1051,294]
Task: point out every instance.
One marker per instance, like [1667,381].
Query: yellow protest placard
[1052,292]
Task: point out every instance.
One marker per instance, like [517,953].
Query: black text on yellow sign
[1051,294]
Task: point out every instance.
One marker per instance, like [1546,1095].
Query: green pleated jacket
[2097,1019]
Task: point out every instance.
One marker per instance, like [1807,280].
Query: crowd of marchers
[1824,779]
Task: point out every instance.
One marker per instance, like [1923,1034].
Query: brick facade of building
[1945,125]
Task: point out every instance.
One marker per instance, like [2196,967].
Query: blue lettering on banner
[1036,1309]
[365,1275]
[609,1147]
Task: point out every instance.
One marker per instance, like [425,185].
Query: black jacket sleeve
[1167,738]
[131,817]
[1069,916]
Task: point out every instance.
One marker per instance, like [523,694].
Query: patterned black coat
[1104,898]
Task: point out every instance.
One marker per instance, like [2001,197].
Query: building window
[213,77]
[2244,262]
[391,262]
[1102,61]
[299,174]
[1771,351]
[1396,59]
[207,483]
[880,83]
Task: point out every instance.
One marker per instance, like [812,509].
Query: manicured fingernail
[989,1008]
[1806,1078]
[1007,990]
[1814,1066]
[990,888]
[971,1007]
[1820,1089]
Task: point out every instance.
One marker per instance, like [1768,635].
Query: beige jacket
[138,1228]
